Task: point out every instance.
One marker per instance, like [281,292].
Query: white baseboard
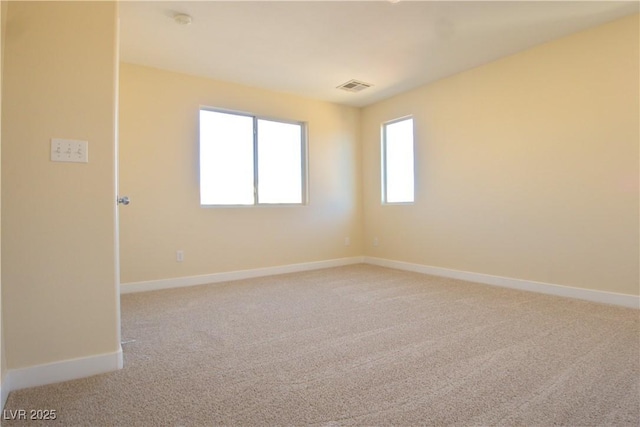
[624,300]
[65,370]
[4,392]
[178,282]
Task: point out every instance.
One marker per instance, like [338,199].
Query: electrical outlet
[180,256]
[347,241]
[376,242]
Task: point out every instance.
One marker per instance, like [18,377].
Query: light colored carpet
[359,345]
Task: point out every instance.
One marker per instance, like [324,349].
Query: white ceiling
[309,48]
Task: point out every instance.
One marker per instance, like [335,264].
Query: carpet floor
[359,345]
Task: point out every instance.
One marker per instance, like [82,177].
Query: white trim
[65,370]
[178,282]
[4,391]
[604,297]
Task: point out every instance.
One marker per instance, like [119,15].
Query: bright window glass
[245,160]
[397,162]
[279,162]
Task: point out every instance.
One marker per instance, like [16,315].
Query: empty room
[320,213]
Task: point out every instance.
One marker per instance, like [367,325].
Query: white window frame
[303,159]
[384,169]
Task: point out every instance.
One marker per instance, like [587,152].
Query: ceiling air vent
[354,86]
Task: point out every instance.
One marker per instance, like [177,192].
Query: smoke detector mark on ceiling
[182,19]
[354,86]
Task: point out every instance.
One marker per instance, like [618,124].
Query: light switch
[69,150]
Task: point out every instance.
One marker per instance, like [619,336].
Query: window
[246,160]
[397,161]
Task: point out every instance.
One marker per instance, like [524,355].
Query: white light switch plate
[69,150]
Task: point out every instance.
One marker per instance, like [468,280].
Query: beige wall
[526,167]
[58,264]
[159,172]
[3,16]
